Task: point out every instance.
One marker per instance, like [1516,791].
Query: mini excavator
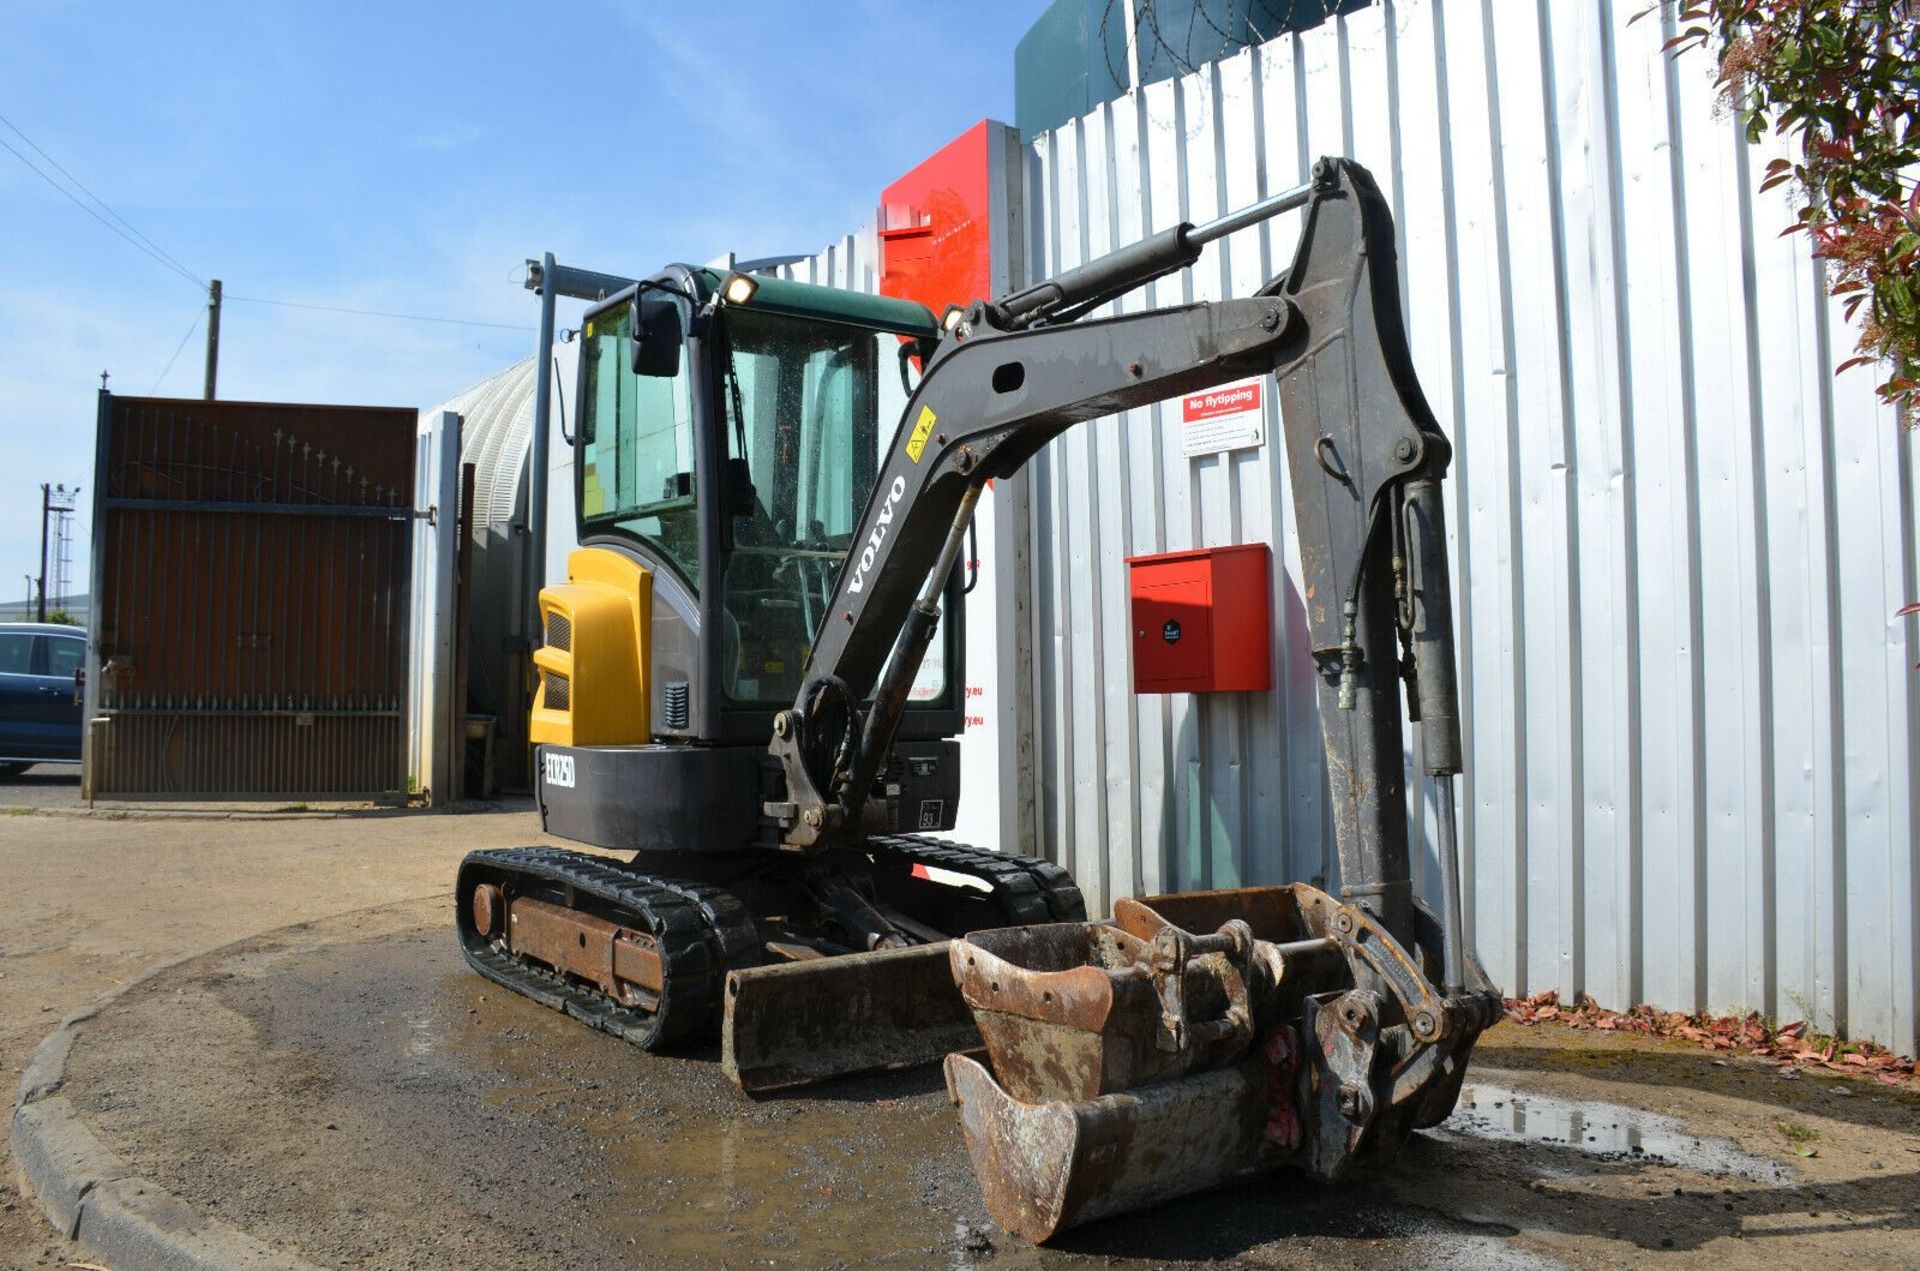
[750,687]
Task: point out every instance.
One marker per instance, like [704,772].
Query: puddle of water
[1602,1129]
[423,1035]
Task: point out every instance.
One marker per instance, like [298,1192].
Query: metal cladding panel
[435,720]
[936,232]
[1692,721]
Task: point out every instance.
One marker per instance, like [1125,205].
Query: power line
[176,355]
[71,197]
[98,200]
[161,256]
[379,313]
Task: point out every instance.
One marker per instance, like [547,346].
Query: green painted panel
[855,308]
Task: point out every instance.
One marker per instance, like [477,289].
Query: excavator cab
[729,431]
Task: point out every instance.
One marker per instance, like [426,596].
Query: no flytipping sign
[1224,418]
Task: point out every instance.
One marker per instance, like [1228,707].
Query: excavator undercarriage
[756,952]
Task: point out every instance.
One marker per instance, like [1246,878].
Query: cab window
[811,408]
[800,464]
[637,449]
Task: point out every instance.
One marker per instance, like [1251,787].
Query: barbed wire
[1270,23]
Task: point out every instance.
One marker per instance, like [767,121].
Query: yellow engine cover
[597,655]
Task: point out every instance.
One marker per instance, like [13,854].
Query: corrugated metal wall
[1680,541]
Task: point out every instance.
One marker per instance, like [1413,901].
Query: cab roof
[807,300]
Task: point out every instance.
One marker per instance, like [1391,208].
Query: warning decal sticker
[922,429]
[1225,418]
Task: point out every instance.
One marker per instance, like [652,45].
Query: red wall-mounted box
[1202,620]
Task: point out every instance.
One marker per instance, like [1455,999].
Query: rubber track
[1030,890]
[703,931]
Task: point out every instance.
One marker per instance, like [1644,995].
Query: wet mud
[349,1091]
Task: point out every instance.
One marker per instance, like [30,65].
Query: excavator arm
[1366,455]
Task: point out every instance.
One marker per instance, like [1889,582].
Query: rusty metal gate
[250,568]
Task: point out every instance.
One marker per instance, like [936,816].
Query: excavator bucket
[1089,1108]
[1130,1064]
[1045,1167]
[796,1023]
[1072,1010]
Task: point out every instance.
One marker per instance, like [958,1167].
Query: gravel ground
[351,1091]
[93,901]
[344,1088]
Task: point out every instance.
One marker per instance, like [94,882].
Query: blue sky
[409,158]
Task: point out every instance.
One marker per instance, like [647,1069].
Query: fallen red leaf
[1787,1047]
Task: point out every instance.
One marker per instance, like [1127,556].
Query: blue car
[40,665]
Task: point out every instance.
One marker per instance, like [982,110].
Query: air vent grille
[559,632]
[675,703]
[559,692]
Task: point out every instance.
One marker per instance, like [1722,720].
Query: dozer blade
[799,1022]
[1045,1167]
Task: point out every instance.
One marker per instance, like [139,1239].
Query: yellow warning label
[922,429]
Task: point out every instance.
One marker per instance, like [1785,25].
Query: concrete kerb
[89,1194]
[60,1160]
[202,814]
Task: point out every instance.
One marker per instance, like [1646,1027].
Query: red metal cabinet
[1202,620]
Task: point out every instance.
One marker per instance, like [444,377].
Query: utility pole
[54,500]
[46,506]
[213,336]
